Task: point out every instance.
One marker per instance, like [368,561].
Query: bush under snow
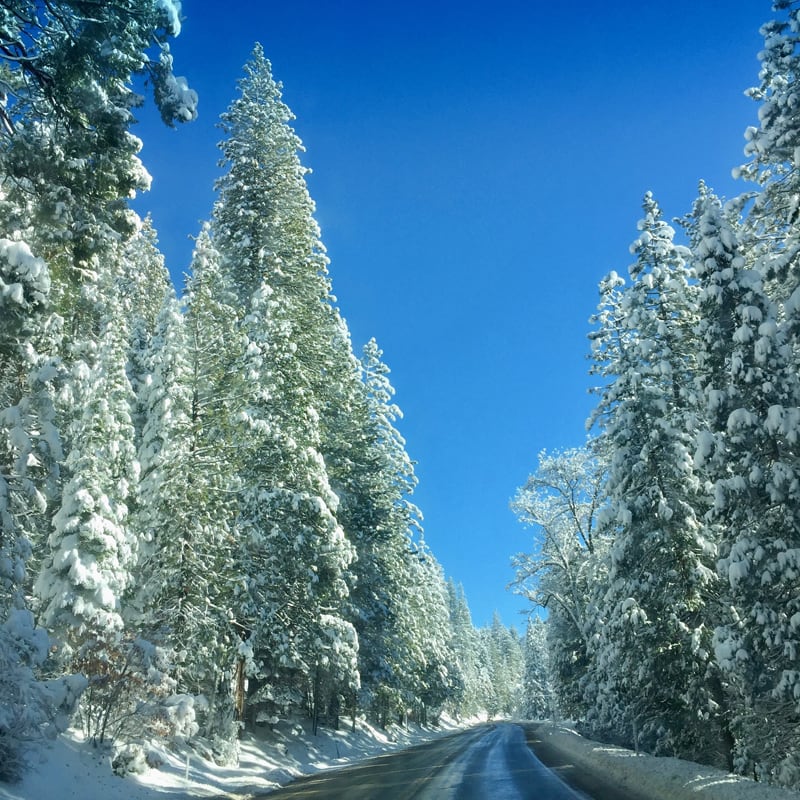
[29,708]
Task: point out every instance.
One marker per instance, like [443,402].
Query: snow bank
[658,778]
[69,768]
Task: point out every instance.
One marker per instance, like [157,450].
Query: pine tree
[773,148]
[293,554]
[748,450]
[537,692]
[30,447]
[374,479]
[192,556]
[654,644]
[30,455]
[91,550]
[428,662]
[143,285]
[468,699]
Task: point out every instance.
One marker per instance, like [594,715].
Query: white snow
[70,768]
[658,778]
[181,98]
[172,10]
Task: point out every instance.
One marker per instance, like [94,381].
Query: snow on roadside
[69,768]
[658,778]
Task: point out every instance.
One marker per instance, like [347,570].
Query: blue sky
[477,169]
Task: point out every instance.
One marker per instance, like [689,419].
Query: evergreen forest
[667,550]
[206,505]
[207,521]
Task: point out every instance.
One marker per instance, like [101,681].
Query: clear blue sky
[477,169]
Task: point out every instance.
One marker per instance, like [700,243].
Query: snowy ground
[70,769]
[659,778]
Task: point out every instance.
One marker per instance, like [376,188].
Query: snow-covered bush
[129,760]
[11,762]
[29,708]
[130,694]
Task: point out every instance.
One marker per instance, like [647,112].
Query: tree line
[668,549]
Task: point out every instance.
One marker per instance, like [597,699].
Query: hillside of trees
[668,550]
[206,505]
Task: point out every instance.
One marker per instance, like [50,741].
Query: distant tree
[537,691]
[502,655]
[469,700]
[561,501]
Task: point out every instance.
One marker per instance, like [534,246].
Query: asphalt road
[491,762]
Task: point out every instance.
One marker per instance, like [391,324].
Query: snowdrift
[658,778]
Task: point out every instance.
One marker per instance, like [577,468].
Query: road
[491,762]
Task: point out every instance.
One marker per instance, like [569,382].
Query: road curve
[491,762]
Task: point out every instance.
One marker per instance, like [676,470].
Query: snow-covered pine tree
[164,405]
[192,556]
[427,663]
[505,666]
[30,454]
[143,284]
[537,691]
[91,551]
[773,147]
[761,546]
[88,567]
[748,451]
[184,574]
[654,643]
[293,555]
[374,479]
[468,699]
[30,447]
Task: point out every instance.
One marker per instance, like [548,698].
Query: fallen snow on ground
[659,778]
[70,768]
